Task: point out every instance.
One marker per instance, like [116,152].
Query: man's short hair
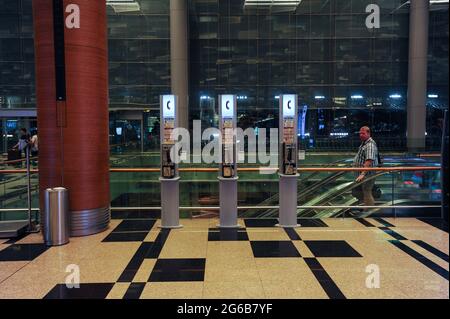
[366,128]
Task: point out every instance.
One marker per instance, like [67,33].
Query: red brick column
[73,129]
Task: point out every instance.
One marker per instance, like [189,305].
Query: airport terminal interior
[224,149]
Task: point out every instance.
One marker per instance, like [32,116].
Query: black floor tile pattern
[125,236]
[439,223]
[383,222]
[85,291]
[134,291]
[133,266]
[414,254]
[292,234]
[225,234]
[327,283]
[432,250]
[22,252]
[135,225]
[146,250]
[274,249]
[130,230]
[397,242]
[331,248]
[175,270]
[365,222]
[16,239]
[158,244]
[393,233]
[266,222]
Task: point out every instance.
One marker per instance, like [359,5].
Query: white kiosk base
[228,202]
[288,201]
[170,203]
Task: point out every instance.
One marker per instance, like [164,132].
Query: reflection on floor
[330,258]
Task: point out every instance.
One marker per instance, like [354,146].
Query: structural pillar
[72,108]
[417,75]
[179,58]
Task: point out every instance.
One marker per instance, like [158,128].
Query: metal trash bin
[56,217]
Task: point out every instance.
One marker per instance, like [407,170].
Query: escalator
[303,183]
[341,193]
[327,197]
[306,193]
[333,192]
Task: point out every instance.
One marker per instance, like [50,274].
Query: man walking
[367,156]
[24,139]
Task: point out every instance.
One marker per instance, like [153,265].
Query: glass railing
[407,187]
[14,192]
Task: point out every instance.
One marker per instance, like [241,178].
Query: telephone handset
[168,167]
[228,167]
[228,149]
[289,159]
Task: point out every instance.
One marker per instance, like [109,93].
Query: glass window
[320,26]
[11,73]
[361,73]
[204,6]
[10,49]
[303,26]
[313,73]
[155,7]
[26,25]
[28,50]
[8,6]
[132,26]
[207,27]
[342,73]
[282,50]
[9,25]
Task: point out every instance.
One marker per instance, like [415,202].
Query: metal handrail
[239,207]
[273,207]
[274,169]
[17,160]
[242,169]
[31,228]
[18,171]
[258,169]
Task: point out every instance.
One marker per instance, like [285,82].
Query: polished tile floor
[330,258]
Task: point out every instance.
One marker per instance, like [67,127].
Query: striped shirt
[368,150]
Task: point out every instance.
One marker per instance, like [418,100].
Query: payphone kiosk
[228,165]
[288,161]
[170,198]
